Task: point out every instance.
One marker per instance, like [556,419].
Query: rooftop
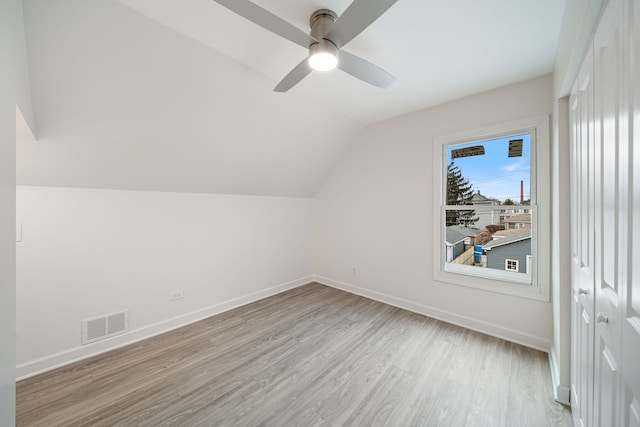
[458,233]
[506,237]
[519,218]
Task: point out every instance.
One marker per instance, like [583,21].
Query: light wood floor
[312,356]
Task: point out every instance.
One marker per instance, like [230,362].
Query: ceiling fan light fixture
[329,33]
[323,56]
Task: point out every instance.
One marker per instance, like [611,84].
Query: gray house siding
[458,249]
[518,251]
[456,235]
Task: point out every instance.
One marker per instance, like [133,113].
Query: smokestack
[521,192]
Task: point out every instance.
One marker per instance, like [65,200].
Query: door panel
[611,207]
[583,237]
[607,384]
[630,363]
[631,409]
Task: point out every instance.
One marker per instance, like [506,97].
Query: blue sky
[495,174]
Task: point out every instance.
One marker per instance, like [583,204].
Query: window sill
[520,288]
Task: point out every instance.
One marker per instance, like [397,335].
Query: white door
[611,207]
[582,244]
[630,313]
[605,245]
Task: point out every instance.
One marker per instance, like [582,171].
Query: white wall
[88,252]
[560,253]
[12,56]
[375,212]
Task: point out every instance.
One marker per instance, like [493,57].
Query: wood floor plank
[489,404]
[312,356]
[376,409]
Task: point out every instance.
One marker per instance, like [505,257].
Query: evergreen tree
[508,202]
[459,192]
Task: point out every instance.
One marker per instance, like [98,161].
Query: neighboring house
[458,239]
[485,218]
[522,221]
[509,211]
[510,250]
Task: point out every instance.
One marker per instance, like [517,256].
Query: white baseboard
[38,366]
[561,393]
[498,331]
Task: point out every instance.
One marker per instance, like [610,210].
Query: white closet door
[605,245]
[582,247]
[611,207]
[630,317]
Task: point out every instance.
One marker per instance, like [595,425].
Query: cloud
[522,164]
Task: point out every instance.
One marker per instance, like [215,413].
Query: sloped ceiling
[438,50]
[169,95]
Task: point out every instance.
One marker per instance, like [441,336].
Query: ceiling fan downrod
[321,22]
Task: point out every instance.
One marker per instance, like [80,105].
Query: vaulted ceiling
[176,95]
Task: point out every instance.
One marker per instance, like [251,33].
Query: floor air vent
[102,327]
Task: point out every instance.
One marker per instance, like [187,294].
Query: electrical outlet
[176,295]
[354,270]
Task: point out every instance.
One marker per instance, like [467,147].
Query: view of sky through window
[494,173]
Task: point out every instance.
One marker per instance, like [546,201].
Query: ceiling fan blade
[268,20]
[294,77]
[364,70]
[356,18]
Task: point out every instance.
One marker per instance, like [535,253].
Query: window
[491,192]
[511,264]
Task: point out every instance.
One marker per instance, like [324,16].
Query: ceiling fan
[329,33]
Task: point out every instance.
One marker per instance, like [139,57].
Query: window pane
[488,214]
[487,173]
[508,237]
[511,265]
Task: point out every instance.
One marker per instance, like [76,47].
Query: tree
[459,192]
[508,202]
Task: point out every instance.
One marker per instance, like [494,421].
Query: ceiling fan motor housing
[321,22]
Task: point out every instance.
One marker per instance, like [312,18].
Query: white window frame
[536,283]
[506,264]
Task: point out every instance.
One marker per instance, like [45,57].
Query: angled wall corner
[25,119]
[23,129]
[579,21]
